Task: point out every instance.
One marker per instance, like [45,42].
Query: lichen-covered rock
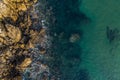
[20,31]
[11,35]
[3,60]
[25,64]
[10,9]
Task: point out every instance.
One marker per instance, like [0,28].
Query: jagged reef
[22,30]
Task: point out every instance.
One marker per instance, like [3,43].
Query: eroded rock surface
[11,8]
[19,36]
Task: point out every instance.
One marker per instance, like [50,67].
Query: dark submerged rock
[112,34]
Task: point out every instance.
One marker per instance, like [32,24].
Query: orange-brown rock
[43,51]
[10,8]
[13,32]
[42,32]
[25,63]
[12,35]
[17,36]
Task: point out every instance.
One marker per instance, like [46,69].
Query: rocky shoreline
[24,40]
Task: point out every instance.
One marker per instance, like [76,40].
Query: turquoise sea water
[96,55]
[100,57]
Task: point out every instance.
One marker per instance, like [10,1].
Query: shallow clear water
[94,56]
[100,57]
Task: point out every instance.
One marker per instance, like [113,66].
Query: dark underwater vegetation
[67,55]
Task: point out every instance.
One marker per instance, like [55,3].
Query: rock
[74,37]
[112,34]
[22,45]
[10,9]
[3,60]
[25,63]
[18,39]
[18,78]
[11,35]
[42,31]
[25,21]
[42,51]
[13,32]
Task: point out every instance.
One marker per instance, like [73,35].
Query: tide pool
[100,57]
